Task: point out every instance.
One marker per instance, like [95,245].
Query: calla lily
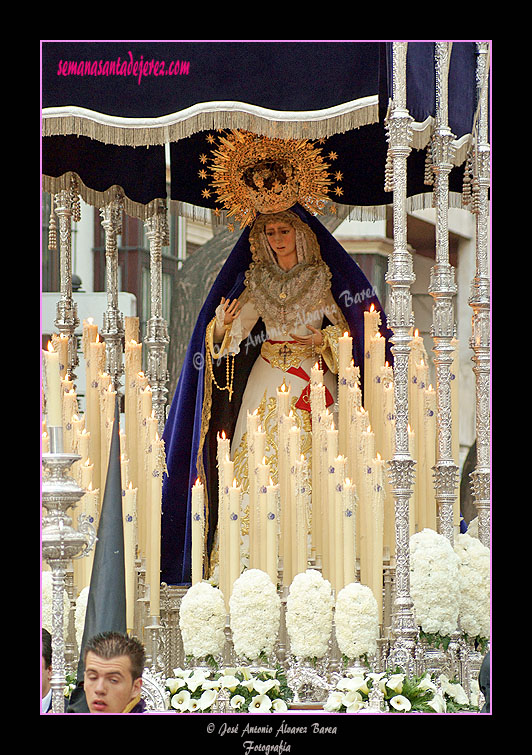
[334,701]
[458,693]
[263,687]
[438,704]
[229,682]
[353,684]
[426,684]
[259,703]
[400,702]
[207,699]
[182,673]
[173,685]
[248,684]
[352,701]
[395,682]
[181,701]
[193,705]
[279,705]
[236,701]
[195,681]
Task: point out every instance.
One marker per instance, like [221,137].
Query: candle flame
[379,456]
[372,308]
[87,462]
[416,333]
[271,481]
[75,418]
[50,347]
[130,486]
[140,374]
[409,428]
[264,460]
[422,363]
[90,488]
[430,387]
[234,483]
[346,334]
[347,481]
[90,320]
[197,483]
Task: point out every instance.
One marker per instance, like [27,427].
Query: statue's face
[282,239]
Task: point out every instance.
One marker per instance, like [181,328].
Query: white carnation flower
[202,620]
[356,621]
[255,614]
[434,582]
[474,584]
[309,615]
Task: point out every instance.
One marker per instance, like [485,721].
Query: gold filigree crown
[253,174]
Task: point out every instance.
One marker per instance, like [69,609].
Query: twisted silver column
[156,339]
[113,322]
[442,288]
[400,277]
[480,303]
[66,320]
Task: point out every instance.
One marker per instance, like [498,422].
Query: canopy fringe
[54,185]
[138,132]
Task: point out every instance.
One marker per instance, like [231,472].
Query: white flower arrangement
[356,621]
[399,694]
[255,611]
[434,584]
[309,614]
[263,691]
[202,620]
[474,585]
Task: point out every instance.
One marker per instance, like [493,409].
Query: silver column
[113,322]
[400,277]
[480,302]
[66,320]
[156,339]
[442,288]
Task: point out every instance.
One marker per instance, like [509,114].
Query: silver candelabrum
[60,544]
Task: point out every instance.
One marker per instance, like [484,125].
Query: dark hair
[113,644]
[47,647]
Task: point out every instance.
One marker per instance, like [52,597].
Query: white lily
[426,683]
[334,701]
[352,701]
[207,699]
[181,701]
[353,684]
[173,685]
[395,682]
[400,702]
[236,701]
[438,704]
[196,680]
[182,673]
[260,703]
[229,682]
[279,705]
[263,687]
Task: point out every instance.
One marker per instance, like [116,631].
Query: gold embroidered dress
[288,302]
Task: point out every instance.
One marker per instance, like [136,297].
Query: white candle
[53,388]
[197,530]
[235,497]
[339,477]
[301,534]
[316,375]
[283,399]
[429,415]
[345,351]
[130,542]
[330,508]
[349,511]
[272,530]
[252,425]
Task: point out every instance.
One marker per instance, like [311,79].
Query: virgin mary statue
[285,295]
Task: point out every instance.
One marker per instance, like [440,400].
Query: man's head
[46,661]
[114,664]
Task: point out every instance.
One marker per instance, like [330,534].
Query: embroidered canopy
[109,109]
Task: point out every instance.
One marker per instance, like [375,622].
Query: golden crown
[253,174]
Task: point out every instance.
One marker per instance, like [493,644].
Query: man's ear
[137,686]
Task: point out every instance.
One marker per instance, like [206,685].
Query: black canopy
[110,107]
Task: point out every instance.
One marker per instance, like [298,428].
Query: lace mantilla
[281,296]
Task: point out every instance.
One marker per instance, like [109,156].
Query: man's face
[109,685]
[46,677]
